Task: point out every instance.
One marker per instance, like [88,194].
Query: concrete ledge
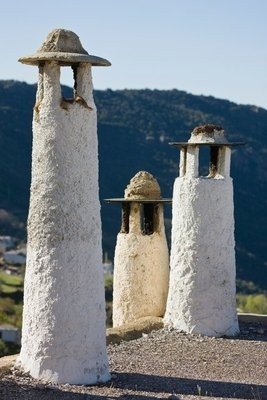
[133,330]
[253,318]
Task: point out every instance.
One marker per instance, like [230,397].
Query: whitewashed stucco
[141,271]
[63,336]
[202,277]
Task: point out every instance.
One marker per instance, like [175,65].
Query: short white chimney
[202,277]
[141,264]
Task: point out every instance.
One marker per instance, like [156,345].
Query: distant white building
[6,243]
[15,257]
[10,333]
[107,265]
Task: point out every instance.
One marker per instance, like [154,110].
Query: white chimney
[63,334]
[202,277]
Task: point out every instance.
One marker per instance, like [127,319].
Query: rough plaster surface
[208,134]
[202,278]
[141,272]
[63,335]
[143,186]
[62,40]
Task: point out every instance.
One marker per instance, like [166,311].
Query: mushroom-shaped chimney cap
[212,135]
[143,186]
[65,47]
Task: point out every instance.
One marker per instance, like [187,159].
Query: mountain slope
[134,128]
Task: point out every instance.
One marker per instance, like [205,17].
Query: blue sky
[210,47]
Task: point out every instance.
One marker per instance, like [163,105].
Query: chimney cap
[63,46]
[143,188]
[207,135]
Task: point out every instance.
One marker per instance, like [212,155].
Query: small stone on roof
[208,129]
[208,133]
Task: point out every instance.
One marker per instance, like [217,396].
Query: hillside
[134,128]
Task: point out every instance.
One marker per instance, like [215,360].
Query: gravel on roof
[166,364]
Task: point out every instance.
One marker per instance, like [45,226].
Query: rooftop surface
[166,365]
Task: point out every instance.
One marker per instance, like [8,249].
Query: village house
[10,333]
[15,257]
[6,243]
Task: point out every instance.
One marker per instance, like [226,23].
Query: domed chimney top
[143,186]
[65,47]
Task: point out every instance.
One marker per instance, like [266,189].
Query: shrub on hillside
[252,303]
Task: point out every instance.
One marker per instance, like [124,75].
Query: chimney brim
[217,144]
[129,200]
[64,59]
